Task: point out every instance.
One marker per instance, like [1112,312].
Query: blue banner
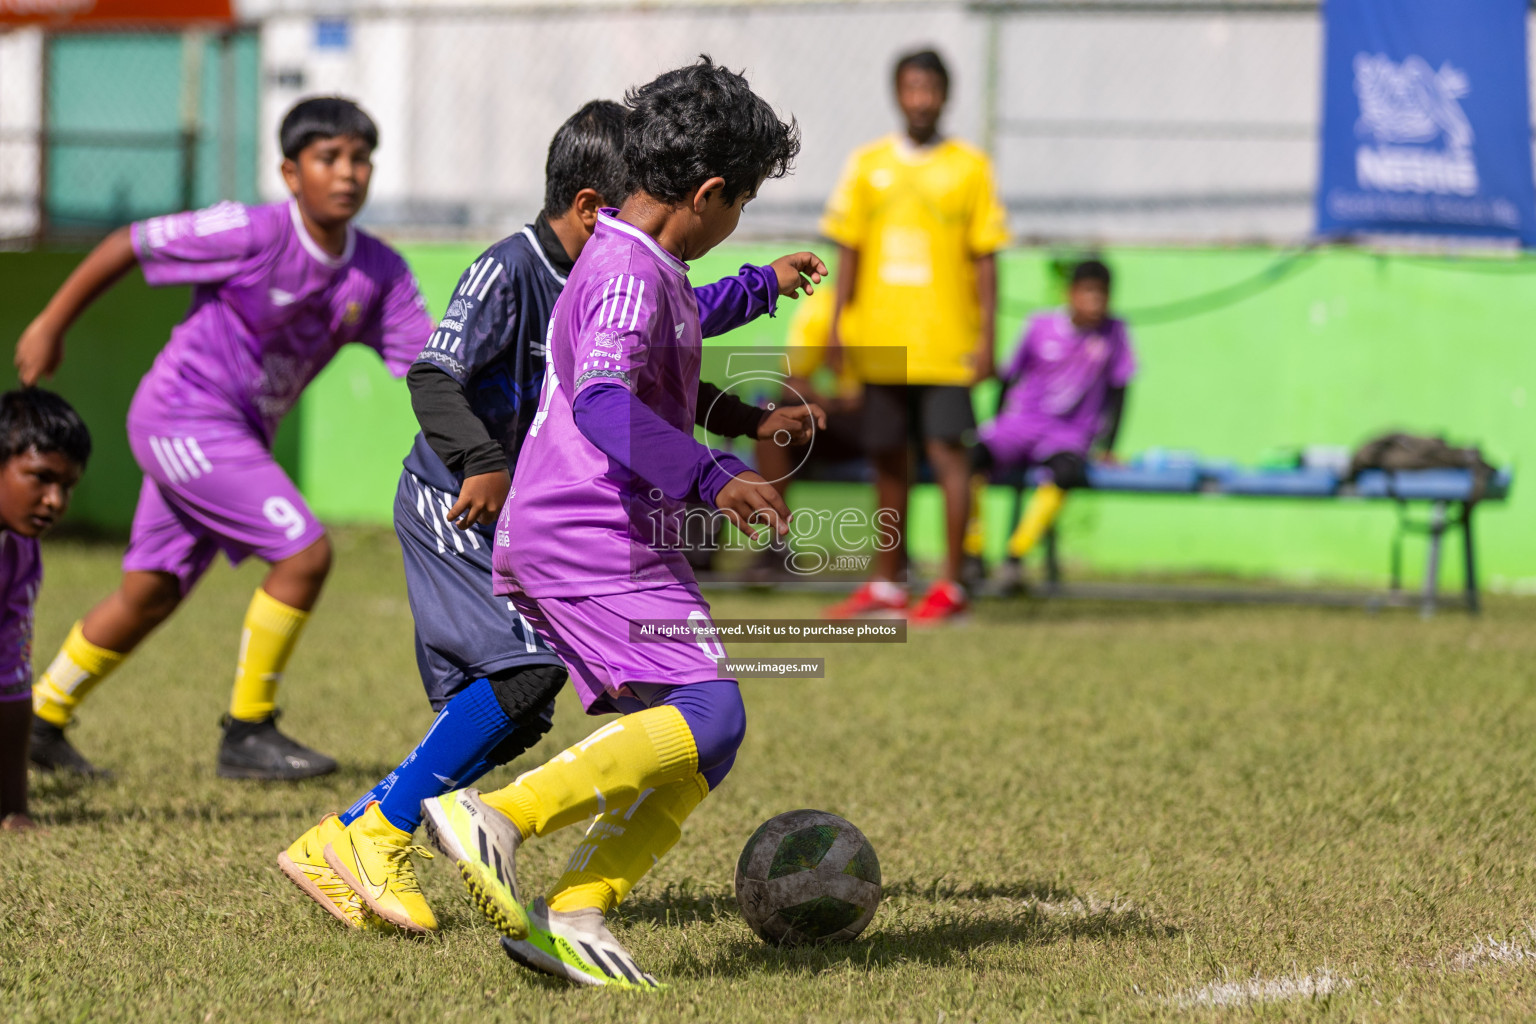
[1426,120]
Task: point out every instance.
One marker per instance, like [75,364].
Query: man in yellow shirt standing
[917,222]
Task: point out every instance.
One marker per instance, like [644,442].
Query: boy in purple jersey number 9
[43,450]
[609,449]
[278,289]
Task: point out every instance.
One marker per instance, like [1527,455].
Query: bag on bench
[1408,451]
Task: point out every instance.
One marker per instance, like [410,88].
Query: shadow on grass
[65,799]
[944,889]
[966,918]
[158,814]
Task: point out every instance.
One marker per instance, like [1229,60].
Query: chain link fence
[1128,122]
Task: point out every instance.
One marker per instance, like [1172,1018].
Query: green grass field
[1082,811]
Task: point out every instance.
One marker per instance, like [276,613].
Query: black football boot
[50,751]
[256,750]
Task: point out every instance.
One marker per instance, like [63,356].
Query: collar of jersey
[537,246]
[608,218]
[313,247]
[910,152]
[1075,331]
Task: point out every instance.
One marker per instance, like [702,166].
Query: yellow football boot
[304,864]
[374,858]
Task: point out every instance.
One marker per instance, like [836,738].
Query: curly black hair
[324,117]
[700,122]
[32,419]
[587,152]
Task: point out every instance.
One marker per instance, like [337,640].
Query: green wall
[1242,352]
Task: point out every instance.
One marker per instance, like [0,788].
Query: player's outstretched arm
[798,272]
[728,303]
[631,433]
[41,346]
[722,413]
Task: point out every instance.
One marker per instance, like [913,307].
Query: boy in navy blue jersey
[474,389]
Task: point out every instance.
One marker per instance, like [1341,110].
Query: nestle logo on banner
[1423,140]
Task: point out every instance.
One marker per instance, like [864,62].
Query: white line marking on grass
[1515,950]
[1262,990]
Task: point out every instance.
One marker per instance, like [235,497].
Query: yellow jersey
[809,330]
[919,218]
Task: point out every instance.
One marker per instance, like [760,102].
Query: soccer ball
[806,877]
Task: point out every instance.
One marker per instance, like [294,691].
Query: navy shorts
[463,631]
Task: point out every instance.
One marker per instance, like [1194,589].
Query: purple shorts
[1020,440]
[210,486]
[591,635]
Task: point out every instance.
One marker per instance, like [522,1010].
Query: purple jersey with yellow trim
[21,573]
[576,523]
[270,308]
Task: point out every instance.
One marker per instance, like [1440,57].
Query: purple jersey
[575,522]
[1063,376]
[21,573]
[269,310]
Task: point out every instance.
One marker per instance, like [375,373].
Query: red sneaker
[873,599]
[945,600]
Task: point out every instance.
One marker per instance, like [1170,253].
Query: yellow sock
[623,844]
[611,767]
[73,673]
[975,530]
[271,631]
[1043,508]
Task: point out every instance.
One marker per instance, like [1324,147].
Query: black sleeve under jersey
[479,324]
[1109,423]
[450,426]
[726,415]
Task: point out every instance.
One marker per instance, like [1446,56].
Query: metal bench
[1451,496]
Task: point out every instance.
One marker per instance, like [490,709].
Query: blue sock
[452,754]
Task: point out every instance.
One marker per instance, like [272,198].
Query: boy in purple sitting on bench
[1063,397]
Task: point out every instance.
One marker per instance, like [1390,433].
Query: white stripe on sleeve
[166,466]
[197,453]
[488,282]
[602,309]
[629,291]
[636,318]
[186,460]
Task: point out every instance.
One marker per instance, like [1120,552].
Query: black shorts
[463,631]
[896,415]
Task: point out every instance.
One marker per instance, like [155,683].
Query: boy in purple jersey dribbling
[278,289]
[43,450]
[586,544]
[475,389]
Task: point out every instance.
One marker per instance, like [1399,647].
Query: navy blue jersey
[491,341]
